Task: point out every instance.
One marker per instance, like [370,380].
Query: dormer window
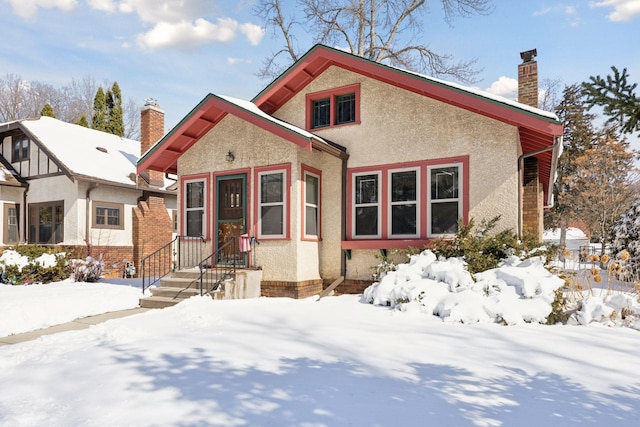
[334,107]
[20,149]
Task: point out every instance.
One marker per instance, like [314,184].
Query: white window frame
[311,205]
[391,203]
[355,206]
[283,203]
[203,208]
[430,202]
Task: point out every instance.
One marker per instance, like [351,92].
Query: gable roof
[210,111]
[539,130]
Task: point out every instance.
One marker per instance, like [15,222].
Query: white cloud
[188,35]
[231,61]
[623,10]
[506,87]
[29,8]
[254,33]
[542,11]
[172,11]
[104,5]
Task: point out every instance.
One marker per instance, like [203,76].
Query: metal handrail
[175,255]
[211,277]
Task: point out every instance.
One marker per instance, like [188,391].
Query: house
[341,159]
[67,185]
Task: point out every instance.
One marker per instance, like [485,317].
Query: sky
[446,357]
[178,51]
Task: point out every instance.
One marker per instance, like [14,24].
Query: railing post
[143,274]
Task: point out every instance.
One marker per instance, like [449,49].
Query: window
[46,222]
[403,205]
[321,113]
[333,107]
[11,223]
[272,203]
[445,207]
[311,204]
[108,215]
[20,149]
[367,205]
[195,208]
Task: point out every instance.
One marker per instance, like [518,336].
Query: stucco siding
[103,193]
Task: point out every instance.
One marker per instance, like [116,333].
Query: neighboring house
[76,187]
[341,159]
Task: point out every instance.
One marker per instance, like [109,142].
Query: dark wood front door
[231,213]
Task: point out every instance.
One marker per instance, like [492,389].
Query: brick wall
[304,289]
[114,258]
[152,229]
[349,286]
[151,130]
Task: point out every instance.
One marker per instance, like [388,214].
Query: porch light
[230,157]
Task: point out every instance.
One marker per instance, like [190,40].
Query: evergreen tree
[627,233]
[616,95]
[579,135]
[603,185]
[83,121]
[115,123]
[99,119]
[47,110]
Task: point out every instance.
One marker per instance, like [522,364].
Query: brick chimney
[532,194]
[151,130]
[528,78]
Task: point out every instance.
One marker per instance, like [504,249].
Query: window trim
[5,227]
[459,200]
[109,205]
[309,171]
[54,204]
[386,240]
[332,94]
[390,203]
[21,151]
[184,180]
[379,204]
[285,169]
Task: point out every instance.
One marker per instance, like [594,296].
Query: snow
[334,362]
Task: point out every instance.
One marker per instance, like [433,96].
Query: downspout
[87,220]
[25,232]
[343,216]
[557,144]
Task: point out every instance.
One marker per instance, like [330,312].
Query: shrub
[481,248]
[34,270]
[87,270]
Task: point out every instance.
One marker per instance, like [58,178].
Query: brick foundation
[349,286]
[298,290]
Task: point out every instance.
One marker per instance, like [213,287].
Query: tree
[83,121]
[578,136]
[47,110]
[387,31]
[617,97]
[115,124]
[627,233]
[99,118]
[603,184]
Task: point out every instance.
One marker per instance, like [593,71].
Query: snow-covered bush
[87,270]
[32,264]
[517,292]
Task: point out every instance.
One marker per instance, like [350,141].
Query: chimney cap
[150,101]
[528,55]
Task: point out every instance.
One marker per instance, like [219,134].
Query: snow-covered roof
[85,152]
[253,108]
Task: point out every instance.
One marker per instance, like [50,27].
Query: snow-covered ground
[335,362]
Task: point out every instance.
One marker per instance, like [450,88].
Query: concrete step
[172,292]
[158,302]
[179,282]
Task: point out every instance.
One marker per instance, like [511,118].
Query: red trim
[332,94]
[206,177]
[286,167]
[303,188]
[386,241]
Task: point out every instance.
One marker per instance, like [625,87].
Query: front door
[231,213]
